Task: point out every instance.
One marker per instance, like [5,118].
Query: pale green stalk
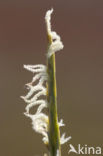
[54,133]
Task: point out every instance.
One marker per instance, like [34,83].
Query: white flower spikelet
[63,140]
[37,88]
[39,119]
[56,44]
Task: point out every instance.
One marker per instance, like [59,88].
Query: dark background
[79,71]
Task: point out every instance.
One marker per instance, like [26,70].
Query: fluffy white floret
[48,20]
[40,124]
[35,68]
[63,139]
[39,119]
[61,124]
[56,44]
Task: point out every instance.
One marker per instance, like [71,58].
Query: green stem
[54,133]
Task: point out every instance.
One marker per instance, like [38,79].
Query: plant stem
[54,133]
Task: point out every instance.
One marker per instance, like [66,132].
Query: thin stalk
[54,133]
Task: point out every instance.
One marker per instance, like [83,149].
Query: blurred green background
[79,71]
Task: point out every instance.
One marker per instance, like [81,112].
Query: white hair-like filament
[56,44]
[39,119]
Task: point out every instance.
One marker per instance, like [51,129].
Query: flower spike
[42,93]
